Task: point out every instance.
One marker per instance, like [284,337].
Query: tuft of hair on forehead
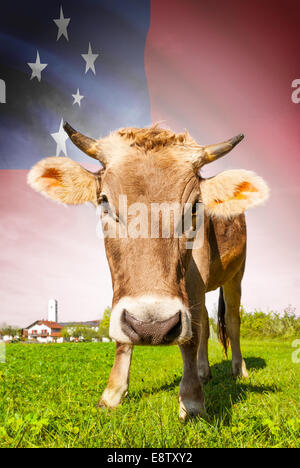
[155,138]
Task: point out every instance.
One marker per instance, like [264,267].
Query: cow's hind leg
[232,298]
[203,363]
[118,381]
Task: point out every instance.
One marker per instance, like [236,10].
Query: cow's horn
[88,145]
[212,152]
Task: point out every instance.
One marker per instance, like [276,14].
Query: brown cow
[159,284]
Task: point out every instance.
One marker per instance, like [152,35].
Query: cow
[159,282]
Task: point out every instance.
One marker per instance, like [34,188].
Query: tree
[65,334]
[77,332]
[104,324]
[84,333]
[10,331]
[88,333]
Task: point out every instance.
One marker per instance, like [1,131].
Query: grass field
[49,395]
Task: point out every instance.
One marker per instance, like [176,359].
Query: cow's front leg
[191,398]
[118,381]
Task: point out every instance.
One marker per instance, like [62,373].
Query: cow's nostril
[174,332]
[127,326]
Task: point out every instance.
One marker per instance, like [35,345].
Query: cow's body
[225,251]
[218,264]
[159,284]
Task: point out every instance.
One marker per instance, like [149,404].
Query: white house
[44,331]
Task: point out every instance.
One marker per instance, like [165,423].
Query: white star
[37,67]
[62,24]
[77,97]
[90,59]
[60,137]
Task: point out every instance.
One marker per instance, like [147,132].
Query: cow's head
[151,167]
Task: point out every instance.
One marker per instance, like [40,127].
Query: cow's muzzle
[150,320]
[152,332]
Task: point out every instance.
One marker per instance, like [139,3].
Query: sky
[216,69]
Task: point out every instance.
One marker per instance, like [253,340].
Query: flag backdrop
[215,68]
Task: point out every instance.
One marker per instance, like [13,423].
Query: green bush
[271,324]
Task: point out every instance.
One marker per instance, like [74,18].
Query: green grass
[49,395]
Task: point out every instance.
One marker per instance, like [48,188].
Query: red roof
[50,324]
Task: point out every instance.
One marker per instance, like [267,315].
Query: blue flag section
[78,61]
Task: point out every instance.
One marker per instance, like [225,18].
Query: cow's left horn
[212,152]
[88,145]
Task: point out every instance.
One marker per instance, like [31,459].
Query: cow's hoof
[239,370]
[190,408]
[104,404]
[111,398]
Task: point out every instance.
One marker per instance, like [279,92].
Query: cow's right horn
[88,145]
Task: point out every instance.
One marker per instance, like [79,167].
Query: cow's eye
[106,208]
[103,198]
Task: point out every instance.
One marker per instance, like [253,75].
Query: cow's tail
[222,334]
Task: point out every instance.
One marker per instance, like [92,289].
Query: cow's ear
[232,192]
[64,180]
